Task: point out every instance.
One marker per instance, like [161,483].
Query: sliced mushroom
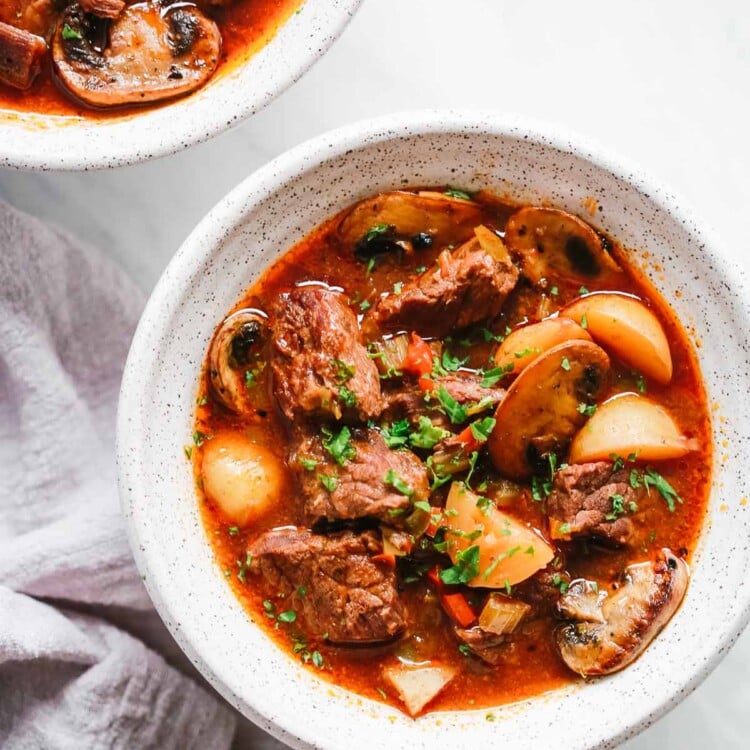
[21,56]
[235,355]
[375,224]
[103,8]
[554,244]
[540,413]
[582,602]
[632,617]
[152,53]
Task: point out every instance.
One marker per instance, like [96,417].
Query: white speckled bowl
[45,142]
[257,222]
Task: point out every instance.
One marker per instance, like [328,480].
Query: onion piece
[502,614]
[417,686]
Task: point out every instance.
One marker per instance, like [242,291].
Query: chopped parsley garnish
[527,351]
[652,478]
[455,411]
[420,269]
[460,194]
[395,481]
[376,231]
[584,321]
[342,370]
[485,504]
[451,363]
[243,567]
[490,377]
[618,508]
[640,383]
[347,397]
[465,569]
[308,464]
[364,305]
[617,461]
[288,616]
[199,438]
[559,583]
[329,481]
[427,435]
[482,428]
[302,590]
[587,409]
[233,530]
[397,434]
[635,479]
[339,446]
[464,649]
[564,528]
[541,487]
[317,659]
[398,287]
[270,608]
[370,266]
[423,505]
[439,478]
[488,336]
[188,451]
[69,33]
[565,364]
[583,290]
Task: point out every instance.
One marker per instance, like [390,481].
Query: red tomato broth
[533,664]
[246,26]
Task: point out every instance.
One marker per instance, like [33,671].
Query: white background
[665,83]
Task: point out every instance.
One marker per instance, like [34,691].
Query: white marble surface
[666,84]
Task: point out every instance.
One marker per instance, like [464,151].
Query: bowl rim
[69,143]
[230,210]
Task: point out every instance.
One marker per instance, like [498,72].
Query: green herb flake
[554,291]
[587,409]
[199,438]
[70,33]
[347,397]
[482,428]
[397,434]
[451,363]
[584,322]
[308,464]
[427,435]
[564,528]
[423,505]
[490,377]
[640,382]
[370,267]
[339,445]
[456,193]
[376,231]
[395,481]
[618,508]
[342,370]
[329,481]
[233,530]
[455,411]
[364,305]
[583,290]
[289,616]
[464,649]
[565,364]
[465,569]
[652,478]
[317,659]
[188,451]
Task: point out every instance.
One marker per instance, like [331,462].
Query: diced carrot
[434,575]
[458,609]
[427,384]
[466,437]
[418,359]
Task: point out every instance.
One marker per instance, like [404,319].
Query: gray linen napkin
[72,674]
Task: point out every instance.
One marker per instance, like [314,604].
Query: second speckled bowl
[246,232]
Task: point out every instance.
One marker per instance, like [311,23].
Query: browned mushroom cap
[235,357]
[21,56]
[554,244]
[153,54]
[630,619]
[403,215]
[540,413]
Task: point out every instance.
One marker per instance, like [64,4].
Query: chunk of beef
[487,646]
[542,590]
[103,8]
[335,583]
[407,400]
[362,486]
[592,500]
[320,367]
[467,286]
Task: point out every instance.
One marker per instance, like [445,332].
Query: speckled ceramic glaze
[260,220]
[32,141]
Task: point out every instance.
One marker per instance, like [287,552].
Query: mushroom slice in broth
[149,53]
[235,358]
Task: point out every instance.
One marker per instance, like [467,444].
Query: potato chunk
[630,424]
[417,686]
[244,479]
[625,327]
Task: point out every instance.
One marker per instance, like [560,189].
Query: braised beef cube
[335,583]
[362,478]
[467,286]
[487,646]
[592,501]
[320,366]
